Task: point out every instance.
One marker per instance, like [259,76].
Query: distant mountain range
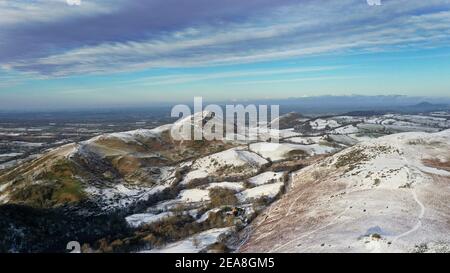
[343,104]
[308,105]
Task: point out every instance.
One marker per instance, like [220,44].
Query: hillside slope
[110,170]
[389,194]
[143,190]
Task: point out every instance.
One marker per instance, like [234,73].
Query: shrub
[218,219]
[376,236]
[222,197]
[218,247]
[377,182]
[351,159]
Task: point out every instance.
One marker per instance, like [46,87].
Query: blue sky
[132,52]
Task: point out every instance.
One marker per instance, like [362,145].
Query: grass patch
[56,187]
[351,159]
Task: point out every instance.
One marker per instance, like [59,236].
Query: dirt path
[419,221]
[334,221]
[291,206]
[416,199]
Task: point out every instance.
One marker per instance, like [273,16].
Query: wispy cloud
[187,78]
[221,34]
[305,79]
[19,13]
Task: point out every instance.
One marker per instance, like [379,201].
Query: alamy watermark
[74,247]
[231,122]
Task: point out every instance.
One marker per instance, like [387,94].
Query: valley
[356,182]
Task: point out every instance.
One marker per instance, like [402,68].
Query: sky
[107,53]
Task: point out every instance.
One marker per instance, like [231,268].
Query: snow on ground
[396,160]
[405,123]
[182,128]
[280,151]
[305,140]
[317,149]
[377,196]
[27,144]
[348,119]
[8,164]
[410,128]
[127,137]
[258,133]
[161,129]
[4,186]
[194,198]
[13,163]
[235,186]
[205,215]
[370,126]
[167,175]
[287,133]
[267,177]
[420,118]
[194,195]
[193,175]
[121,196]
[233,157]
[391,121]
[195,243]
[164,206]
[11,134]
[273,151]
[232,162]
[322,124]
[4,197]
[143,133]
[267,190]
[186,164]
[64,151]
[361,138]
[374,120]
[133,136]
[137,220]
[10,155]
[344,139]
[349,129]
[440,114]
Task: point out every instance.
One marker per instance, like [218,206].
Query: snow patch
[234,186]
[280,151]
[266,178]
[137,220]
[194,244]
[268,190]
[194,195]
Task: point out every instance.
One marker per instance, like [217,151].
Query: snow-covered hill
[143,190]
[389,194]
